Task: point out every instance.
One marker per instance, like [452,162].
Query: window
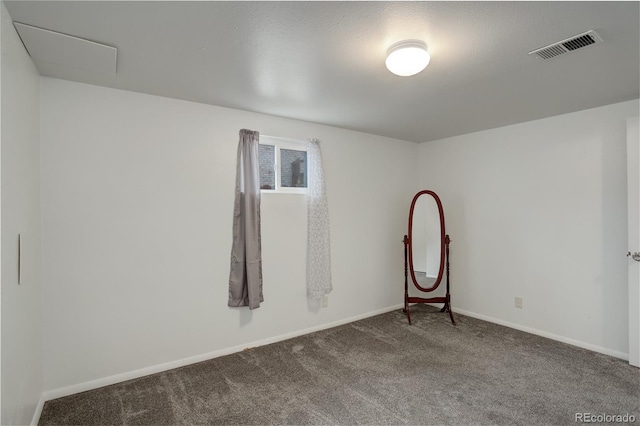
[267,157]
[283,165]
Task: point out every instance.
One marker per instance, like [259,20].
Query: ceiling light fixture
[407,57]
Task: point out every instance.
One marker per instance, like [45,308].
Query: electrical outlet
[519,302]
[325,301]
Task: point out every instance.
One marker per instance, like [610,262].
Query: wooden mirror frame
[444,262]
[442,238]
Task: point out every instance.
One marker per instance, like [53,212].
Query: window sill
[299,191]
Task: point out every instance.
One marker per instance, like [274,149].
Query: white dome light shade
[407,57]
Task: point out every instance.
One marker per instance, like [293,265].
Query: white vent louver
[567,45]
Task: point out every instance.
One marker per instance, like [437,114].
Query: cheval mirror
[426,252]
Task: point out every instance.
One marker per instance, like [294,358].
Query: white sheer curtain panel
[245,278]
[318,236]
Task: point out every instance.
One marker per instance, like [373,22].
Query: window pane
[267,158]
[293,166]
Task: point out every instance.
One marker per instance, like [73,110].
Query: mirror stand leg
[405,240]
[447,306]
[451,316]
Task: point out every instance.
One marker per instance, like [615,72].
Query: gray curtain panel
[245,279]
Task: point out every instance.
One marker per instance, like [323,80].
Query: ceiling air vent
[568,45]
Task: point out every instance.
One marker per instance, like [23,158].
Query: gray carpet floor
[378,370]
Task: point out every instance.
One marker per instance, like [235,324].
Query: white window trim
[280,143]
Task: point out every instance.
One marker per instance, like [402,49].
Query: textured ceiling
[323,62]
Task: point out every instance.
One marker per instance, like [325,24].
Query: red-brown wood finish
[444,263]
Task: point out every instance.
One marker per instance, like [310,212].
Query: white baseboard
[573,342]
[38,412]
[117,378]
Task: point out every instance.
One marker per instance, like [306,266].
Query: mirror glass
[426,243]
